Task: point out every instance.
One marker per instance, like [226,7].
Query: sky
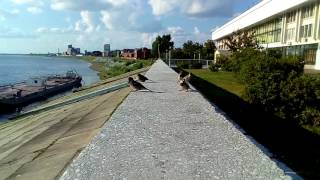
[42,26]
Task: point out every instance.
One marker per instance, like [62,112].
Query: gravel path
[171,135]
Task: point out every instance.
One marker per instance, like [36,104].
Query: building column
[298,24]
[317,65]
[316,22]
[283,39]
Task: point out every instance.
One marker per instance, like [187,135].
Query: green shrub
[117,70]
[310,116]
[224,62]
[196,66]
[214,67]
[279,86]
[182,65]
[135,66]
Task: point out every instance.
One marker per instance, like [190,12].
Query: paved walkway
[170,135]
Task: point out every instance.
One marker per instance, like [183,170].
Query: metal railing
[176,62]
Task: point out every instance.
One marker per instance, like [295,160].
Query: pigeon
[180,77]
[185,86]
[136,85]
[142,78]
[187,77]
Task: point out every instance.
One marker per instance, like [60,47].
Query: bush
[136,65]
[117,70]
[214,67]
[182,65]
[224,62]
[196,66]
[310,116]
[279,86]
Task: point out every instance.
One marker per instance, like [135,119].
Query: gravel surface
[171,134]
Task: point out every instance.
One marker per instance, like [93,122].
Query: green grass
[224,80]
[106,69]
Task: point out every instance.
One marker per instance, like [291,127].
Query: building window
[307,11]
[269,32]
[290,34]
[291,17]
[306,31]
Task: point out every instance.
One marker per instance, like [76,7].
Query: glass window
[309,30]
[291,17]
[306,31]
[307,11]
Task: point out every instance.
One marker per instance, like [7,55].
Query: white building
[290,25]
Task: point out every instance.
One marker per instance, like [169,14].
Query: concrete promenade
[170,135]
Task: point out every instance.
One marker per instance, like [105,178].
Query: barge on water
[21,94]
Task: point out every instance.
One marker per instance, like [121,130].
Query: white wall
[259,12]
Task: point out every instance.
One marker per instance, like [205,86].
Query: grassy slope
[103,73]
[224,80]
[297,147]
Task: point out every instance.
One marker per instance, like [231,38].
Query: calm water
[17,68]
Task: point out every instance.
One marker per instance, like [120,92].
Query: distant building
[128,53]
[115,53]
[139,53]
[96,53]
[106,50]
[142,53]
[71,51]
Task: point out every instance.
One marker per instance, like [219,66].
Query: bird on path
[136,85]
[184,85]
[182,76]
[142,78]
[187,77]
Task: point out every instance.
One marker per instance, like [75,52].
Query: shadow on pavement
[298,148]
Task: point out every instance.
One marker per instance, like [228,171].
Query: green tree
[190,48]
[209,49]
[240,40]
[162,44]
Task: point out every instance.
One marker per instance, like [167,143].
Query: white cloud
[161,7]
[55,30]
[34,10]
[80,5]
[196,31]
[86,23]
[22,1]
[29,2]
[106,19]
[148,38]
[192,8]
[117,3]
[15,11]
[9,32]
[4,14]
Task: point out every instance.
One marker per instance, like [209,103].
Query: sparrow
[187,77]
[136,85]
[180,76]
[184,85]
[142,78]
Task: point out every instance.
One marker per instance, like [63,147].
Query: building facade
[106,49]
[72,51]
[139,53]
[292,26]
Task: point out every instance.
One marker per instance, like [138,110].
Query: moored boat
[37,88]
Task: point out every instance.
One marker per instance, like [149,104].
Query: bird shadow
[151,82]
[149,91]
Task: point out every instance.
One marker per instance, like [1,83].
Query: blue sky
[41,26]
